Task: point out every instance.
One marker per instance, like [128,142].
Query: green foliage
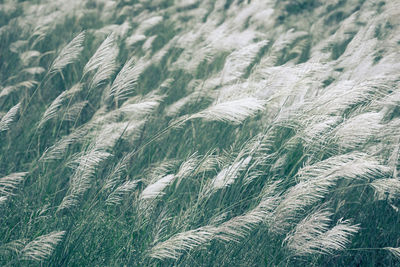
[210,133]
[300,6]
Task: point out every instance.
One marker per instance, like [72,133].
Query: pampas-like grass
[59,148]
[34,70]
[106,68]
[297,199]
[69,54]
[10,182]
[73,112]
[350,166]
[358,130]
[114,177]
[156,189]
[235,111]
[42,247]
[52,111]
[101,54]
[3,199]
[346,94]
[185,138]
[14,246]
[228,175]
[85,167]
[312,235]
[394,251]
[117,195]
[28,56]
[386,188]
[141,107]
[9,118]
[187,168]
[126,80]
[160,169]
[239,227]
[231,230]
[238,62]
[177,106]
[174,247]
[109,134]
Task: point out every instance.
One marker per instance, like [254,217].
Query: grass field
[199,133]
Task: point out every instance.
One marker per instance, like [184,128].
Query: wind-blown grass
[209,133]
